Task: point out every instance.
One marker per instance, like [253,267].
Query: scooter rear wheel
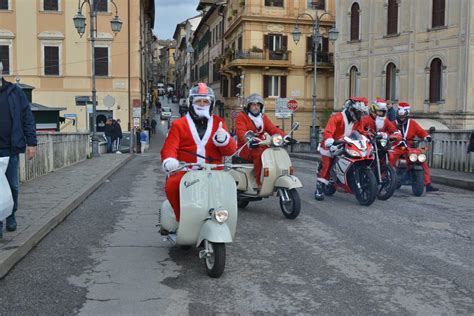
[215,262]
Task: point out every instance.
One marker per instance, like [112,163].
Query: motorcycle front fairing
[201,191]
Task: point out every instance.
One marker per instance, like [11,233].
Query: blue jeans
[13,177]
[109,144]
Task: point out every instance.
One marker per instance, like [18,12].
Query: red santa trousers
[325,168]
[255,155]
[172,191]
[395,155]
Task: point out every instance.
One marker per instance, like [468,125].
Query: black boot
[319,193]
[430,188]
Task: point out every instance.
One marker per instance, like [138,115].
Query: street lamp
[80,25]
[333,33]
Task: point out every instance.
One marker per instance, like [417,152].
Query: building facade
[407,50]
[208,46]
[48,53]
[260,56]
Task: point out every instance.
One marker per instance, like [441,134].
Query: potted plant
[256,49]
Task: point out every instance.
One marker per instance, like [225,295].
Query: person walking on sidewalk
[143,141]
[109,134]
[153,126]
[118,135]
[17,135]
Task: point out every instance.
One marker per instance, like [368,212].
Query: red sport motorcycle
[351,170]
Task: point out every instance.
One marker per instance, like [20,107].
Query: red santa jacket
[336,128]
[410,131]
[183,141]
[243,124]
[368,123]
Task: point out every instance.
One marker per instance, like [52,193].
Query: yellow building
[40,46]
[261,57]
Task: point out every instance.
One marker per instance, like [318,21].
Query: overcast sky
[168,13]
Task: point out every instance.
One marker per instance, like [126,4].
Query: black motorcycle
[385,174]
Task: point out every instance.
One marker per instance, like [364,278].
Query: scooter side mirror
[249,135]
[295,126]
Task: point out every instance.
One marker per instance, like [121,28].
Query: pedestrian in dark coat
[109,134]
[17,135]
[153,126]
[118,135]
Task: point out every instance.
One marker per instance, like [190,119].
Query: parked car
[165,113]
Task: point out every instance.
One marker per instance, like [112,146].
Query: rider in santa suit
[339,125]
[253,119]
[410,129]
[378,121]
[200,136]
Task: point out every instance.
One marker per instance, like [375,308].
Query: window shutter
[239,44]
[283,87]
[3,4]
[325,44]
[265,41]
[355,22]
[435,80]
[285,42]
[309,44]
[439,7]
[5,58]
[50,5]
[51,60]
[101,61]
[265,86]
[392,17]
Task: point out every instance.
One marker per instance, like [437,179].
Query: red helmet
[198,92]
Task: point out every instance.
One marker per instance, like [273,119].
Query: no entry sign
[292,105]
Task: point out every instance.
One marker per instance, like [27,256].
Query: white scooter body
[279,179]
[201,192]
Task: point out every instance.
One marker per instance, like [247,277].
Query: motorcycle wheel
[367,193]
[242,203]
[389,182]
[215,262]
[418,185]
[292,208]
[329,189]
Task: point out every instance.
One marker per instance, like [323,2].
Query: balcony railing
[263,55]
[323,57]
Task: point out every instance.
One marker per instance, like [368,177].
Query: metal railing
[54,151]
[263,55]
[323,57]
[449,151]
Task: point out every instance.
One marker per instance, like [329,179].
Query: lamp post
[333,33]
[80,24]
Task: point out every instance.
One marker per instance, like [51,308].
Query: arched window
[435,80]
[438,13]
[353,81]
[391,82]
[355,22]
[392,17]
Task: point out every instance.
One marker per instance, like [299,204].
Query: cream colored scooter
[277,176]
[208,216]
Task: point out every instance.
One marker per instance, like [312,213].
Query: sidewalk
[457,179]
[46,201]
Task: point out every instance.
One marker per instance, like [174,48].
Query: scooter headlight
[352,153]
[422,158]
[277,140]
[220,215]
[413,157]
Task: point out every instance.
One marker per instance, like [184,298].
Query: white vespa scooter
[277,176]
[208,216]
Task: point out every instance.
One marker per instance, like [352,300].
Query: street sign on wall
[281,108]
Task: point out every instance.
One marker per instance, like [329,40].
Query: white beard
[202,111]
[257,120]
[379,122]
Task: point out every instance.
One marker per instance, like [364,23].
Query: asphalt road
[406,255]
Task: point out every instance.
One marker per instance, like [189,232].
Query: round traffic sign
[292,105]
[109,101]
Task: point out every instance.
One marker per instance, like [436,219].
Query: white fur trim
[379,122]
[323,180]
[347,126]
[200,144]
[258,120]
[405,131]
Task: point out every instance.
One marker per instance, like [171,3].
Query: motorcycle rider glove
[328,143]
[170,164]
[221,137]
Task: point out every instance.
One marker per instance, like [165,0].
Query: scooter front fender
[289,182]
[214,232]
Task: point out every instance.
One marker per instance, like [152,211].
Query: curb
[449,181]
[27,241]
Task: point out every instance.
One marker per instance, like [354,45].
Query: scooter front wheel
[291,204]
[215,260]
